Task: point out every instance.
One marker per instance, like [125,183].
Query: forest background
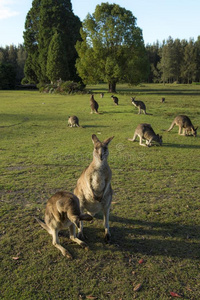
[169,61]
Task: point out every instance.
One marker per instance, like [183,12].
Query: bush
[61,87]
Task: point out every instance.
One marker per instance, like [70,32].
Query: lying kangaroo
[140,105]
[62,211]
[94,105]
[184,123]
[73,121]
[146,132]
[94,185]
[115,100]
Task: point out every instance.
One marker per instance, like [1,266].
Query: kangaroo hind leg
[57,244]
[72,230]
[106,212]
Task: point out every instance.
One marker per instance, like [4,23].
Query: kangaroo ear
[86,217]
[95,139]
[107,141]
[196,128]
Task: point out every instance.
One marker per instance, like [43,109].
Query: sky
[158,19]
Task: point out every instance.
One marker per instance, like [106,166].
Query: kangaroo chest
[98,181]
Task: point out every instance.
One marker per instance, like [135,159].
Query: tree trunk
[112,87]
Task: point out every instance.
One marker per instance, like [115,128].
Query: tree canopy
[12,60]
[112,47]
[46,21]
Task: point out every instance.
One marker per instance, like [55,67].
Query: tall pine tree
[57,65]
[43,21]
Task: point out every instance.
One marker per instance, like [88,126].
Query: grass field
[155,216]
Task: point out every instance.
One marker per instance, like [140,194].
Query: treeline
[174,61]
[12,61]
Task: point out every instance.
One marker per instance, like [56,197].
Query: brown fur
[73,121]
[94,105]
[63,211]
[93,188]
[184,123]
[140,105]
[146,132]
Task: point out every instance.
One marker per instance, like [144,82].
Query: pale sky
[158,19]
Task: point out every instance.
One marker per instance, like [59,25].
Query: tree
[7,76]
[189,67]
[112,48]
[43,21]
[21,59]
[154,58]
[197,48]
[57,66]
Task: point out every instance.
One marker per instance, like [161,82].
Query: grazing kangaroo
[184,123]
[94,105]
[73,121]
[63,211]
[115,99]
[146,132]
[93,188]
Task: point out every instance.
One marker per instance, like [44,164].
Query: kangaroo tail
[42,224]
[171,127]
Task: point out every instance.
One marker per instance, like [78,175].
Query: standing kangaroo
[146,132]
[94,105]
[184,123]
[94,185]
[140,105]
[63,211]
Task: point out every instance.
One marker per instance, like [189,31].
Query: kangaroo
[184,123]
[94,105]
[115,99]
[140,105]
[73,121]
[101,95]
[146,132]
[162,100]
[62,211]
[93,188]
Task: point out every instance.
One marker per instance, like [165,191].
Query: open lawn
[155,216]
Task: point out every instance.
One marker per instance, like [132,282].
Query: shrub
[61,87]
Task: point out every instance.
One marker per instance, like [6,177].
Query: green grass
[155,212]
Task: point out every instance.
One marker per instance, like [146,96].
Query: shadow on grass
[181,146]
[93,126]
[152,238]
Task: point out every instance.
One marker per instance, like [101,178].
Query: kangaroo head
[83,217]
[92,97]
[194,131]
[159,139]
[100,148]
